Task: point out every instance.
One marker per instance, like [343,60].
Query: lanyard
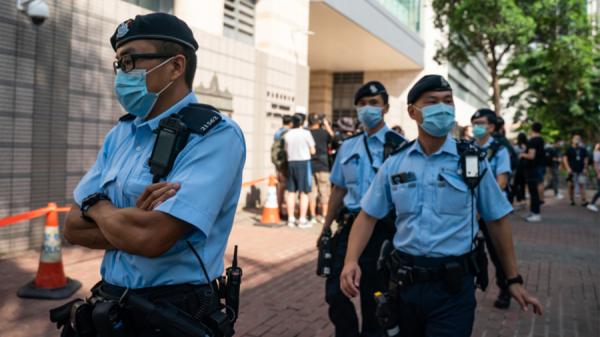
[369,153]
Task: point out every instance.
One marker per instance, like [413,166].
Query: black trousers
[429,310]
[500,275]
[534,203]
[341,310]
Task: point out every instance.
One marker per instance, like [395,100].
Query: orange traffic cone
[270,215]
[50,281]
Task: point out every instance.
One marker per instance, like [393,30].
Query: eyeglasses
[127,62]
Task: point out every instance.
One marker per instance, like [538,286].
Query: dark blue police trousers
[429,310]
[341,310]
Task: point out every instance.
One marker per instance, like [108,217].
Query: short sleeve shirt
[435,210]
[298,142]
[210,180]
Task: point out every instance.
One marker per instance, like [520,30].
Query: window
[345,86]
[238,20]
[407,11]
[165,6]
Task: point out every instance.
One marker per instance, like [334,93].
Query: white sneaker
[559,196]
[313,221]
[534,218]
[592,207]
[303,223]
[291,222]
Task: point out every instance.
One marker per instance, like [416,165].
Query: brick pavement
[281,295]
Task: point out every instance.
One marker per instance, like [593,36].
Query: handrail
[36,213]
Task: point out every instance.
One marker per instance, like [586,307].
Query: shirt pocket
[109,178]
[350,170]
[453,194]
[405,197]
[135,185]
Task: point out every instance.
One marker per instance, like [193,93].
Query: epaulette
[200,118]
[126,118]
[403,147]
[355,135]
[493,149]
[393,141]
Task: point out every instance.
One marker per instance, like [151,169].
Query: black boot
[503,300]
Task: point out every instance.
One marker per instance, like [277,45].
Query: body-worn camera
[172,136]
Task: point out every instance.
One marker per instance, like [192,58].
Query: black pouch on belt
[453,274]
[75,319]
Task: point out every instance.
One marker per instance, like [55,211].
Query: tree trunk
[496,89]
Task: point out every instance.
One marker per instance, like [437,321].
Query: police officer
[431,260]
[484,123]
[356,163]
[151,232]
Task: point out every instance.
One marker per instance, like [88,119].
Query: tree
[561,68]
[491,28]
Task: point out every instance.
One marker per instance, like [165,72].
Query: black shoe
[503,300]
[572,203]
[585,204]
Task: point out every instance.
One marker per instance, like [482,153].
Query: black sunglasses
[127,62]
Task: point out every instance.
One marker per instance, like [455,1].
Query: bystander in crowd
[323,135]
[592,206]
[576,163]
[534,171]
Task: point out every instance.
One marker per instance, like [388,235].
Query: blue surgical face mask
[370,116]
[479,131]
[438,119]
[132,91]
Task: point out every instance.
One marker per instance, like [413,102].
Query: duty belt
[422,269]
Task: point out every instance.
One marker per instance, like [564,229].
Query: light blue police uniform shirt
[352,169]
[433,213]
[209,170]
[500,162]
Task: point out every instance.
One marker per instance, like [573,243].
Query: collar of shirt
[449,147]
[153,123]
[379,135]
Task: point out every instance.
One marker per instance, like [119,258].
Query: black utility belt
[346,217]
[112,291]
[420,269]
[114,311]
[406,270]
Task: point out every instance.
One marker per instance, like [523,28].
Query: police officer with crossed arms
[425,184]
[164,237]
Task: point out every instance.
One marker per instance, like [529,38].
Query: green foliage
[561,66]
[547,45]
[491,28]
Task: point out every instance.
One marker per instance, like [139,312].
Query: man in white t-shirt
[299,146]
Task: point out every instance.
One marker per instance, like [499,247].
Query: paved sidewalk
[281,295]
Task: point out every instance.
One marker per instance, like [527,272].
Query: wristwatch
[90,201]
[517,279]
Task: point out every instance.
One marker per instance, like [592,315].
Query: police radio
[172,136]
[234,281]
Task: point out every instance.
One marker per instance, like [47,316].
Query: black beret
[372,88]
[428,83]
[485,112]
[154,26]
